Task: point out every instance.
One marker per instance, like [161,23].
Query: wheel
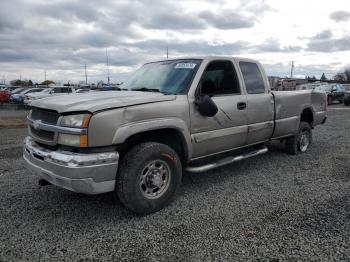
[329,100]
[301,141]
[347,103]
[340,101]
[148,178]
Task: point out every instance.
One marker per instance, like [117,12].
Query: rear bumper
[92,173]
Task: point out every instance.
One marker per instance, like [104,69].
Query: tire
[340,101]
[149,177]
[329,100]
[301,142]
[347,103]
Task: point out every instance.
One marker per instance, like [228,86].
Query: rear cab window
[253,79]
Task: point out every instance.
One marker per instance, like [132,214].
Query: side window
[65,90]
[219,78]
[57,90]
[253,79]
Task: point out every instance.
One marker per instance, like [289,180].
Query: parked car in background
[347,95]
[335,92]
[19,97]
[4,96]
[48,92]
[17,90]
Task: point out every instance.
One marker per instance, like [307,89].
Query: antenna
[292,69]
[107,67]
[85,75]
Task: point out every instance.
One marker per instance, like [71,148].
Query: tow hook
[43,182]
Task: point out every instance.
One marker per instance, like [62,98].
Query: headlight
[73,140]
[80,120]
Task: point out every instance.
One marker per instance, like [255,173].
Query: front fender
[127,130]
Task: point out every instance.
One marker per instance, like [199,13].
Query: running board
[226,161]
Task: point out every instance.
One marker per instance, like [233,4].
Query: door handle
[241,105]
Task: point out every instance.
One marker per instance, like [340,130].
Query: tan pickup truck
[170,116]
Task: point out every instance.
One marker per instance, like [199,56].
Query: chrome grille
[42,134]
[46,116]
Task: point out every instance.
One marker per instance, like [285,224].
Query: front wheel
[301,142]
[148,178]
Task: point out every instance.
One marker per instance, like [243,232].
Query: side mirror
[206,106]
[334,88]
[51,92]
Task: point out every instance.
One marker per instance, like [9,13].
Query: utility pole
[85,75]
[167,52]
[107,68]
[292,69]
[44,75]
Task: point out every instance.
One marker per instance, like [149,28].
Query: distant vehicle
[347,95]
[19,97]
[17,90]
[82,90]
[310,86]
[335,92]
[48,92]
[4,96]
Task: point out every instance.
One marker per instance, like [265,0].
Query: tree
[30,83]
[343,76]
[47,82]
[323,77]
[347,74]
[340,77]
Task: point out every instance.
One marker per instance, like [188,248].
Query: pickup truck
[191,114]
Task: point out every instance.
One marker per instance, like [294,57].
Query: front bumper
[91,173]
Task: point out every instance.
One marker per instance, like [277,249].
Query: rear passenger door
[260,104]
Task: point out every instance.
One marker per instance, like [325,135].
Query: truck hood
[96,101]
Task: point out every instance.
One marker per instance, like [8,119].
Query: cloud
[340,16]
[273,45]
[227,20]
[330,45]
[327,34]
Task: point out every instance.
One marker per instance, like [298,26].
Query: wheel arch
[172,132]
[307,115]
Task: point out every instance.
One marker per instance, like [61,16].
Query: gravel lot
[272,207]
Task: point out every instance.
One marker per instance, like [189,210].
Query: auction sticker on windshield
[185,65]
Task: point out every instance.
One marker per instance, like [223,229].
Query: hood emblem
[36,124]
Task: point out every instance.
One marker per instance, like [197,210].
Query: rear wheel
[148,178]
[301,142]
[347,103]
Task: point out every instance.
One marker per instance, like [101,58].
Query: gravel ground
[272,207]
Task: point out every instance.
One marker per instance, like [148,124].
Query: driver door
[228,128]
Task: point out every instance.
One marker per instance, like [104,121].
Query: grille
[46,116]
[43,134]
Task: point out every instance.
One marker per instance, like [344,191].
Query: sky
[60,36]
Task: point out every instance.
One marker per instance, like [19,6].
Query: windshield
[47,90]
[169,77]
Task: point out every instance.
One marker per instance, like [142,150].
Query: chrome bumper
[91,173]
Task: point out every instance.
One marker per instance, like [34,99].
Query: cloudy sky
[60,36]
